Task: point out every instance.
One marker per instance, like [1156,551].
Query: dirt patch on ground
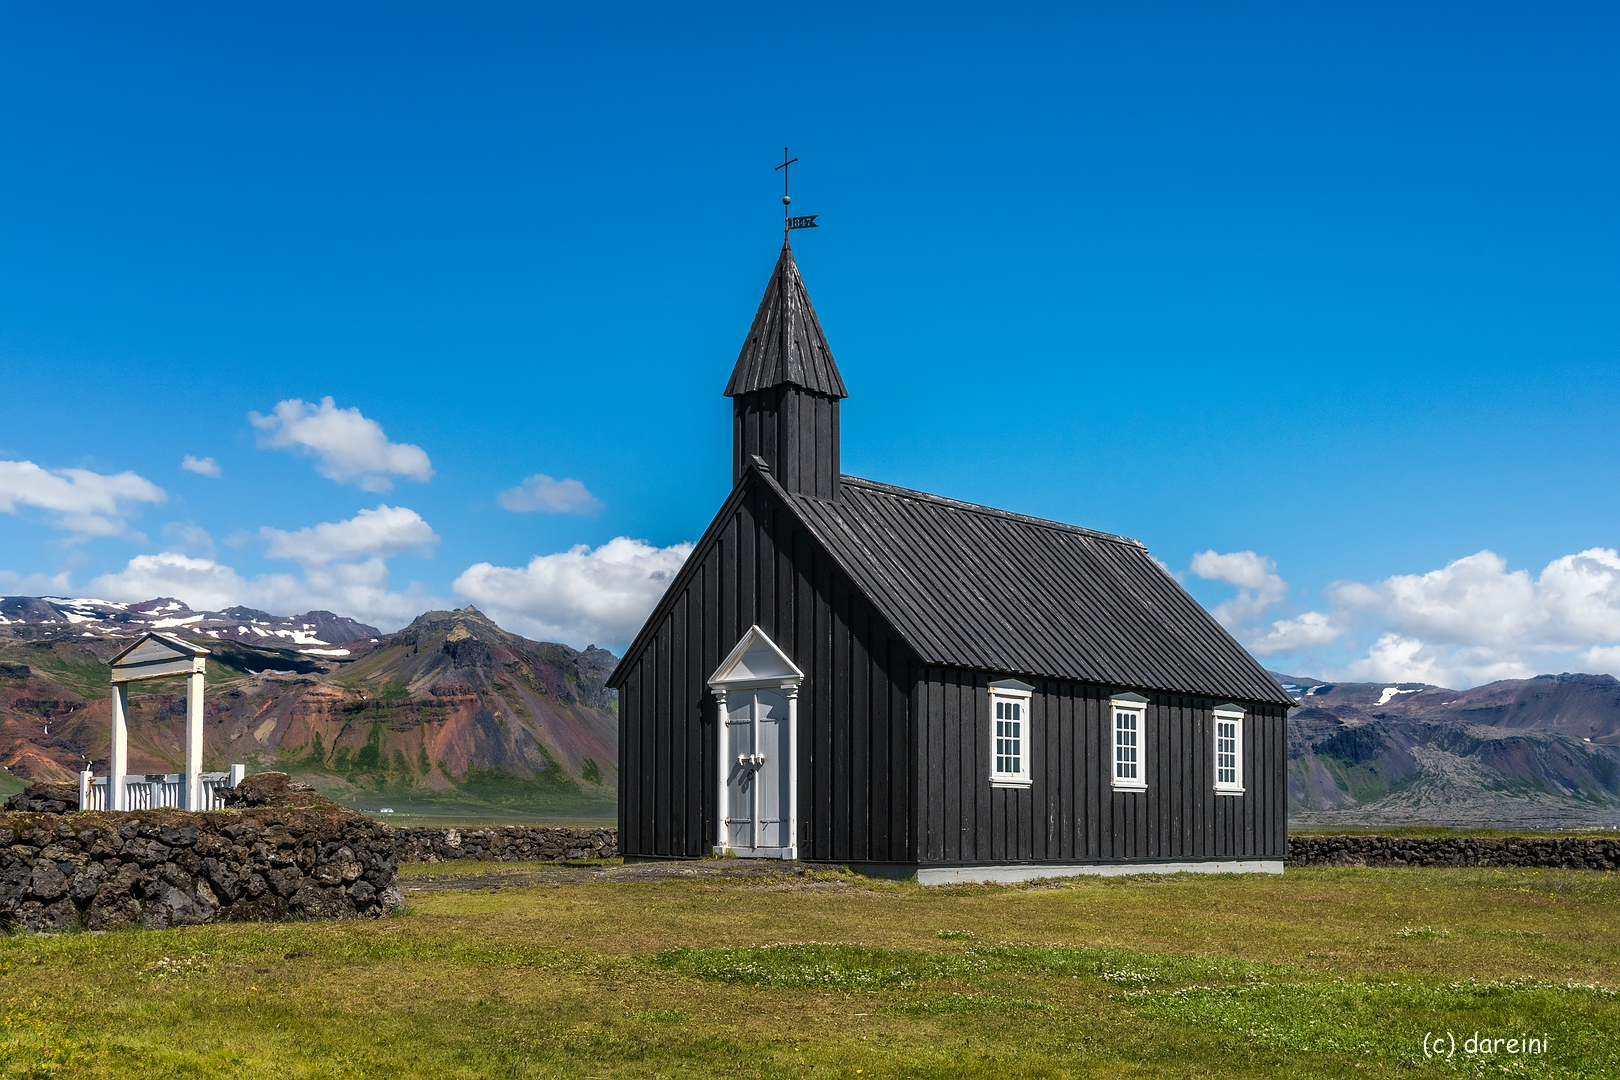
[534,875]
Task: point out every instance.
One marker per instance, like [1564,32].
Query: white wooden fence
[154,791]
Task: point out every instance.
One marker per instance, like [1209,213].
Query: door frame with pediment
[757,663]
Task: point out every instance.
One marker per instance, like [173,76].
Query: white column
[238,774]
[194,741]
[793,771]
[85,788]
[118,763]
[724,749]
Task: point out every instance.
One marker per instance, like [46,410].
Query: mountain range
[56,616]
[1521,753]
[451,707]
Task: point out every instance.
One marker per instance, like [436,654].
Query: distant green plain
[479,800]
[1317,973]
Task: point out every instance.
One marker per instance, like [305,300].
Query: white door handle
[751,759]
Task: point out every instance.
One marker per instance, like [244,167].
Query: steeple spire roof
[785,344]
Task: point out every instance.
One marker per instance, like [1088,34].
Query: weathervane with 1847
[789,222]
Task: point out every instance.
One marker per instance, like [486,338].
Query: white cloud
[15,584]
[1601,659]
[359,590]
[540,492]
[350,446]
[1396,659]
[385,531]
[1473,620]
[1259,587]
[201,466]
[344,569]
[1478,602]
[203,584]
[580,596]
[85,503]
[1478,621]
[1311,630]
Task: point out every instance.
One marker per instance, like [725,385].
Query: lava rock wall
[509,844]
[1598,853]
[161,868]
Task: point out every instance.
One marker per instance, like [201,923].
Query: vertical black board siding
[903,737]
[976,704]
[795,431]
[629,760]
[916,800]
[756,567]
[860,732]
[658,738]
[954,825]
[680,717]
[1071,813]
[879,807]
[1090,770]
[823,696]
[839,720]
[804,650]
[931,690]
[707,795]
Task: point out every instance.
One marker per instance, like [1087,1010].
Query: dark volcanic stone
[1596,853]
[45,797]
[164,868]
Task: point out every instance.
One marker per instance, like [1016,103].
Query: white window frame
[1229,714]
[1013,694]
[1136,705]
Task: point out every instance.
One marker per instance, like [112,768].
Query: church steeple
[785,390]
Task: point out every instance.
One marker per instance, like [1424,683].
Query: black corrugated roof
[970,586]
[785,344]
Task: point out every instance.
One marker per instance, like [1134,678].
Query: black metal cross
[783,169]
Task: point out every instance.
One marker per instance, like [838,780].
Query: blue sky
[1318,301]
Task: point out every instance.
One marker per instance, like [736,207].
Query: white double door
[758,792]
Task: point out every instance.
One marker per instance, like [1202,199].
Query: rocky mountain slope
[1542,752]
[452,703]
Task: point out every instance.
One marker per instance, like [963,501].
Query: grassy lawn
[1318,973]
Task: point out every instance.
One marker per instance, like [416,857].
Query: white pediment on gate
[154,655]
[756,661]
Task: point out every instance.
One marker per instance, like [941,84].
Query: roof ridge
[991,511]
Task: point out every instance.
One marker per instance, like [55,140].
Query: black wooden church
[849,672]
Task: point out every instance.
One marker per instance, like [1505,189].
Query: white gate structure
[154,791]
[156,656]
[758,690]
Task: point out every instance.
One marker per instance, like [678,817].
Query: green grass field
[1318,973]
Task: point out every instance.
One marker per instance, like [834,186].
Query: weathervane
[789,223]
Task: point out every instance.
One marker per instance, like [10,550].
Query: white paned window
[1130,744]
[1229,750]
[1009,736]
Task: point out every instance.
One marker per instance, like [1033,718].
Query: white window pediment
[756,661]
